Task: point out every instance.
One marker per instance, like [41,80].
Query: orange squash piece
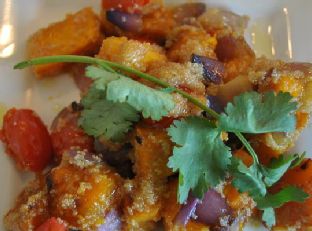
[31,208]
[295,213]
[78,34]
[152,147]
[132,53]
[84,191]
[188,40]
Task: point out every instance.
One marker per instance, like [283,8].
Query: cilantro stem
[107,65]
[247,146]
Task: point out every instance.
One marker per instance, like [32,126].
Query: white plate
[278,29]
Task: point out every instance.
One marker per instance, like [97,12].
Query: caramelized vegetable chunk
[152,147]
[187,40]
[171,209]
[83,191]
[236,54]
[81,80]
[294,213]
[223,22]
[52,225]
[188,77]
[241,204]
[295,78]
[66,133]
[132,53]
[31,208]
[78,34]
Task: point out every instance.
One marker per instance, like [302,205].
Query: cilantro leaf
[93,95]
[101,76]
[278,167]
[200,156]
[253,113]
[268,216]
[287,194]
[103,117]
[152,103]
[246,179]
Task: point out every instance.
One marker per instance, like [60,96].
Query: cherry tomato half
[66,133]
[68,138]
[124,5]
[27,139]
[51,224]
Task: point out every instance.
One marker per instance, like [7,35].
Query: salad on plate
[179,126]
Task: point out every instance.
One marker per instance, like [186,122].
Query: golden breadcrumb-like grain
[187,40]
[132,53]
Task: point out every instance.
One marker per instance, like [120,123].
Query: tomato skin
[27,139]
[51,224]
[66,133]
[124,5]
[68,138]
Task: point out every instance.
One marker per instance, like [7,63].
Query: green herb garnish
[252,113]
[103,117]
[200,156]
[271,201]
[200,145]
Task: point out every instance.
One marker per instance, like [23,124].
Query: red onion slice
[213,69]
[125,21]
[112,222]
[186,211]
[214,103]
[212,208]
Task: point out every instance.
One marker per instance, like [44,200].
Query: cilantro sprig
[200,155]
[253,113]
[200,145]
[152,103]
[103,117]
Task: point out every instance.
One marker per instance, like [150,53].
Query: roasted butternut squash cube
[152,147]
[83,191]
[186,76]
[187,40]
[294,78]
[31,208]
[78,34]
[132,53]
[236,54]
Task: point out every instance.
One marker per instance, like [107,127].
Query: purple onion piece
[213,69]
[212,208]
[112,222]
[186,211]
[214,103]
[184,12]
[125,21]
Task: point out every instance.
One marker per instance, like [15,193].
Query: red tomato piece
[70,137]
[124,5]
[51,224]
[66,133]
[27,139]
